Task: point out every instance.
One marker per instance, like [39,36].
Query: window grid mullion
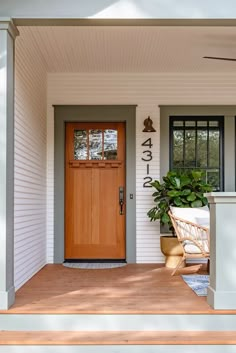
[103,144]
[208,144]
[88,149]
[184,144]
[196,151]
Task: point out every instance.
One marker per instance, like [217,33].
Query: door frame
[94,113]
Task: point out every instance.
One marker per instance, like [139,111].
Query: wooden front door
[94,199]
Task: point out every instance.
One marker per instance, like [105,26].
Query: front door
[94,191]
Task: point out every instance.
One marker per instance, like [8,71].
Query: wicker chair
[194,239]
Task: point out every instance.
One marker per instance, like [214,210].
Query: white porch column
[222,289]
[8,33]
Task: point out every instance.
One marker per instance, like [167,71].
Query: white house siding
[147,91]
[30,162]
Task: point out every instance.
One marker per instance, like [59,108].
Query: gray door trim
[84,113]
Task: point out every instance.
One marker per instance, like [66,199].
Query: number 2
[146,184]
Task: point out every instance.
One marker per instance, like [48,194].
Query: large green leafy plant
[179,189]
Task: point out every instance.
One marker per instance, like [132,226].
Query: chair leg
[208,266]
[178,266]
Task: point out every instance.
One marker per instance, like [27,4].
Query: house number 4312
[147,157]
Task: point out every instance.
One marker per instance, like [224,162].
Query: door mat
[198,283]
[94,265]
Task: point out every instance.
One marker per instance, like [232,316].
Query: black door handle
[121,199]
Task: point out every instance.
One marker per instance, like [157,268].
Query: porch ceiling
[133,49]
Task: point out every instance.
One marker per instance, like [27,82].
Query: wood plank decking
[133,289]
[117,338]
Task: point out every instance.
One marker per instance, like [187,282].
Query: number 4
[148,143]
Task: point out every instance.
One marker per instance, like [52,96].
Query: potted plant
[179,189]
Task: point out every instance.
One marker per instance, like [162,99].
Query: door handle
[121,199]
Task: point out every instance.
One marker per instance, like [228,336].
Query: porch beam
[222,289]
[7,24]
[8,33]
[144,22]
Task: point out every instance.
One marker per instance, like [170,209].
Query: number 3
[148,156]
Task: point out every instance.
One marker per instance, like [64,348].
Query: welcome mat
[94,265]
[198,283]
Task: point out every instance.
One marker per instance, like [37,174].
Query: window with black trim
[197,143]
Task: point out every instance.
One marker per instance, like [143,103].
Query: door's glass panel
[178,154]
[80,144]
[202,148]
[95,144]
[190,151]
[214,149]
[110,144]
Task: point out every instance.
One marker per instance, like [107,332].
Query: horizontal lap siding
[30,162]
[147,91]
[147,234]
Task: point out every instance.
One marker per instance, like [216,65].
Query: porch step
[102,338]
[117,322]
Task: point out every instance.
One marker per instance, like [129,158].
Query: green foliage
[179,189]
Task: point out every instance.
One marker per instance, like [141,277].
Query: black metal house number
[147,157]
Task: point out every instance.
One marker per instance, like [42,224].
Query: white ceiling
[132,49]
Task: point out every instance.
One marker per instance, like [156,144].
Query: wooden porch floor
[133,289]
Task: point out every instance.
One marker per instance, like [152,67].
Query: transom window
[197,143]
